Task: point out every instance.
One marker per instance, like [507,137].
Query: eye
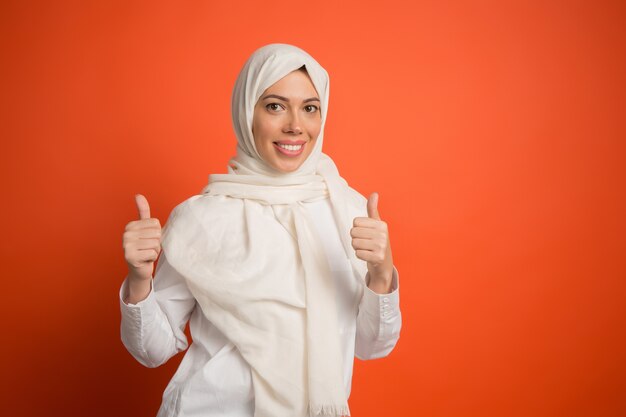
[311,108]
[274,107]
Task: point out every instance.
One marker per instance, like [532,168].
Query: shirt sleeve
[378,322]
[153,329]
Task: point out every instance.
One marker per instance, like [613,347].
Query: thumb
[142,206]
[372,207]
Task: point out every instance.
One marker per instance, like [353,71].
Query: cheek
[262,131]
[314,126]
[317,132]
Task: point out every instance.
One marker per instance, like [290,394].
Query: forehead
[295,84]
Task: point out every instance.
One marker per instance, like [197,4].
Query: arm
[152,330]
[379,319]
[378,322]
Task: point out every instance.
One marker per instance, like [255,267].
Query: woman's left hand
[370,240]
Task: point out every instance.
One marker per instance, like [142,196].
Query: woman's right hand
[142,243]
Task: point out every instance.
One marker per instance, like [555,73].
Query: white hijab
[252,259]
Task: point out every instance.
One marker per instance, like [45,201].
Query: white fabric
[213,379]
[260,276]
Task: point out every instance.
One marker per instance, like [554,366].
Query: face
[287,121]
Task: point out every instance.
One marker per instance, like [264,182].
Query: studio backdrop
[494,132]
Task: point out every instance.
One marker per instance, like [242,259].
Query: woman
[284,272]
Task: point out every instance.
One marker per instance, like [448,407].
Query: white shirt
[213,379]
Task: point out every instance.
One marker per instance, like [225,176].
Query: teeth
[290,147]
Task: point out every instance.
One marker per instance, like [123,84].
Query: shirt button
[386,300]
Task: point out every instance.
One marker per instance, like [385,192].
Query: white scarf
[251,257]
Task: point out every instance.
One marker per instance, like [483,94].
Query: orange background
[494,131]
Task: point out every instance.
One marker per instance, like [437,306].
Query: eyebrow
[285,99]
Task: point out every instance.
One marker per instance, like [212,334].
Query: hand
[370,240]
[142,242]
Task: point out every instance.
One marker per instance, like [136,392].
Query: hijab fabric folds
[251,257]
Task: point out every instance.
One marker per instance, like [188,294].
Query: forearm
[378,321]
[152,327]
[145,330]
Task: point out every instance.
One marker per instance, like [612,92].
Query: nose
[292,124]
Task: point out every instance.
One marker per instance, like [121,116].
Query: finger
[147,256]
[152,223]
[142,206]
[144,233]
[366,233]
[365,244]
[143,244]
[369,256]
[372,207]
[131,246]
[141,257]
[369,223]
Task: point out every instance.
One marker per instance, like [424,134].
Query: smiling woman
[283,271]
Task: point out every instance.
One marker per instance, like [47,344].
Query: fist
[142,242]
[370,240]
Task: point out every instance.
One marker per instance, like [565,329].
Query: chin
[287,169]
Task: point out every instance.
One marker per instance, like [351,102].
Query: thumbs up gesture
[142,242]
[370,240]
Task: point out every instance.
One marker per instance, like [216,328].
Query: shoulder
[356,202]
[203,213]
[200,226]
[355,197]
[202,206]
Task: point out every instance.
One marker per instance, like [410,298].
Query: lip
[289,142]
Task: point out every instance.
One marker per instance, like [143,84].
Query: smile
[290,149]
